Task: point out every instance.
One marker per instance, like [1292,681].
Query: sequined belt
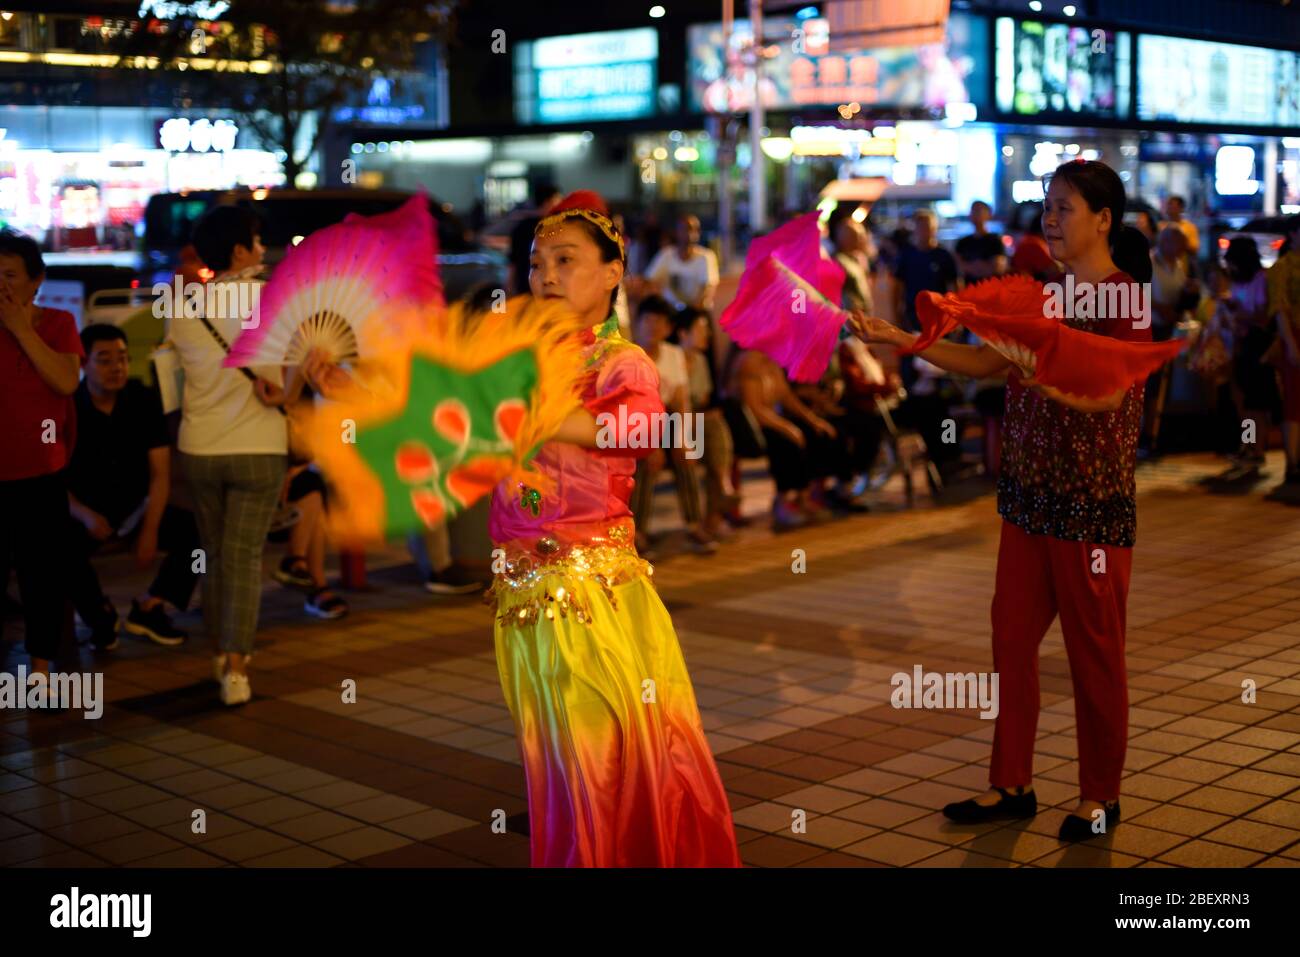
[537,578]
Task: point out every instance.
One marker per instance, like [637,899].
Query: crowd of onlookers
[92,456]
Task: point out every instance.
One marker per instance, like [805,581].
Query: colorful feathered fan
[343,289]
[425,433]
[788,304]
[1011,314]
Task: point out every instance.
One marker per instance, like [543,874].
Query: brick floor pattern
[792,672]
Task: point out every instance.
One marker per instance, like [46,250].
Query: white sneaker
[235,689]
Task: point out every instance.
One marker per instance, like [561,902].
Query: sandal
[324,603]
[293,573]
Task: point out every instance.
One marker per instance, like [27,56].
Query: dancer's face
[1071,229]
[566,264]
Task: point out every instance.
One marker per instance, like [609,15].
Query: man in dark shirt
[118,483]
[982,253]
[922,266]
[521,237]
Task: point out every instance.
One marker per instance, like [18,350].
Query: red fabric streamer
[1012,315]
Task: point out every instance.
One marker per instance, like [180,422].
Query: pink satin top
[591,486]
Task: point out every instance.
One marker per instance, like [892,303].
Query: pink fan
[343,289]
[1010,314]
[787,306]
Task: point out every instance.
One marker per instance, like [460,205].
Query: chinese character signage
[807,71]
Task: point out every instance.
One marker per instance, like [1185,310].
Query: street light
[656,12]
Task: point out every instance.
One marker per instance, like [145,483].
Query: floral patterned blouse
[1070,474]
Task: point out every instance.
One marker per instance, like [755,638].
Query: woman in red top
[1067,497]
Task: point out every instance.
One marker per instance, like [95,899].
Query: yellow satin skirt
[618,768]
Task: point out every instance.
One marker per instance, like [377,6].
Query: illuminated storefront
[79,177]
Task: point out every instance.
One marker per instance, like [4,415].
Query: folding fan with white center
[345,289]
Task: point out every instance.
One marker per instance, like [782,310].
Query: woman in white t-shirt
[233,441]
[654,326]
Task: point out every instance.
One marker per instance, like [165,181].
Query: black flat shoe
[1010,807]
[1075,828]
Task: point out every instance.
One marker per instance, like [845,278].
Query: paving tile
[1180,820]
[363,842]
[881,813]
[1254,835]
[773,851]
[385,807]
[300,856]
[29,847]
[1221,800]
[900,850]
[135,846]
[1209,854]
[246,844]
[314,826]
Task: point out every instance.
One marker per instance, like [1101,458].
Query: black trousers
[793,468]
[33,535]
[178,536]
[859,433]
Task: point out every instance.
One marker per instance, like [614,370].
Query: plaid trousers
[234,500]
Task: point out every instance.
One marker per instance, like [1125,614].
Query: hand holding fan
[787,306]
[345,289]
[1010,314]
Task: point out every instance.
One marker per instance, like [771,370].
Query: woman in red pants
[1067,499]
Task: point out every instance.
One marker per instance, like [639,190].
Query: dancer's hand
[870,329]
[325,376]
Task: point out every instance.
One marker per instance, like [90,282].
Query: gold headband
[555,220]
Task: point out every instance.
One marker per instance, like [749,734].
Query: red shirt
[1070,474]
[32,411]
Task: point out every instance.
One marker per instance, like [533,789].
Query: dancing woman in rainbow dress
[619,771]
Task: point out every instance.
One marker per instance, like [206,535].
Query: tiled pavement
[792,675]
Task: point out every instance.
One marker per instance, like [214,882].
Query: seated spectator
[800,444]
[853,437]
[927,410]
[40,355]
[119,481]
[654,326]
[694,335]
[303,566]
